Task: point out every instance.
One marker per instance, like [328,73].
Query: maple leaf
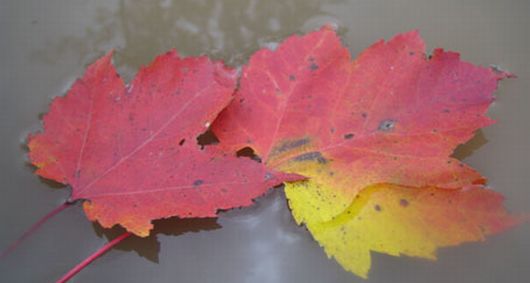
[131,152]
[389,121]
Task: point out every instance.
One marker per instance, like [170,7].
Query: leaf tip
[500,73]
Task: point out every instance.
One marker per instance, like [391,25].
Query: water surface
[45,45]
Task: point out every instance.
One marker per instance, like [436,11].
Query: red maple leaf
[130,152]
[383,125]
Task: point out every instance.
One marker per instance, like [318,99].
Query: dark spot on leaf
[198,182]
[207,138]
[311,156]
[182,141]
[289,145]
[313,66]
[348,136]
[386,125]
[292,77]
[248,152]
[364,115]
[77,173]
[446,111]
[403,202]
[377,207]
[411,53]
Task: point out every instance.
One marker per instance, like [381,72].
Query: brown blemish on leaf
[348,136]
[289,145]
[311,156]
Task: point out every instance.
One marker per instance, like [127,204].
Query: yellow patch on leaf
[398,220]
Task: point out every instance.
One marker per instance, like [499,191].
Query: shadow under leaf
[465,150]
[149,247]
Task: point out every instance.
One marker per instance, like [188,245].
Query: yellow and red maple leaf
[374,136]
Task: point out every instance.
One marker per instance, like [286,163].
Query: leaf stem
[93,257]
[34,228]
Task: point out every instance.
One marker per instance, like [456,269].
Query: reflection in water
[264,245]
[229,30]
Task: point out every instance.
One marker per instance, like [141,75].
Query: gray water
[45,45]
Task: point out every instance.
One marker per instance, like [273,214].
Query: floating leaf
[388,120]
[130,152]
